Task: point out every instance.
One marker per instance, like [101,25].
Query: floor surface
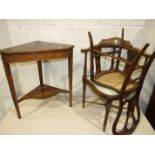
[54,116]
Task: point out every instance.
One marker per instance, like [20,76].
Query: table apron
[23,57]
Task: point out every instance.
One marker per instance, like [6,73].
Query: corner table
[37,51]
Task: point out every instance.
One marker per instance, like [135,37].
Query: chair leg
[130,113]
[84,93]
[117,119]
[107,110]
[138,111]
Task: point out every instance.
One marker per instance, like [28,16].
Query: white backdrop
[14,32]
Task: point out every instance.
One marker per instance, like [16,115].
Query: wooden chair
[122,80]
